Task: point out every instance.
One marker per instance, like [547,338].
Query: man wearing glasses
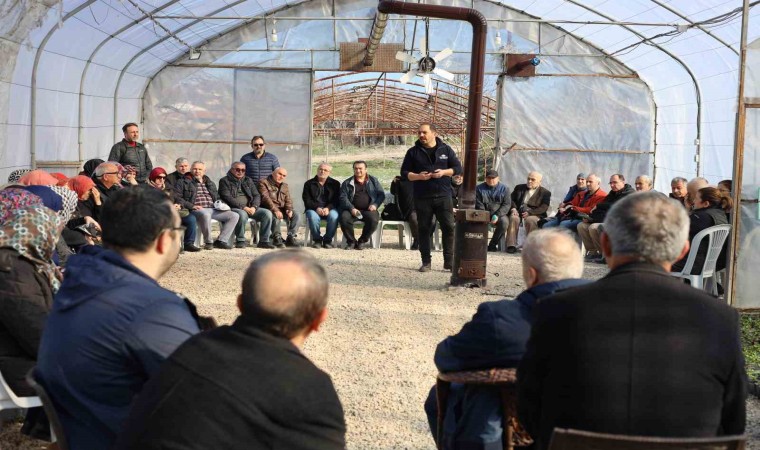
[112,324]
[259,164]
[241,193]
[107,179]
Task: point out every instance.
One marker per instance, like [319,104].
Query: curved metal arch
[699,27]
[697,88]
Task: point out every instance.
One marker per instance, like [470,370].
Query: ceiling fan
[424,65]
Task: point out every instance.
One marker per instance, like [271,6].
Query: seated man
[590,229]
[643,183]
[678,190]
[248,385]
[198,193]
[496,337]
[456,189]
[320,198]
[112,325]
[580,185]
[275,196]
[242,194]
[493,196]
[360,196]
[692,187]
[183,166]
[637,352]
[530,202]
[570,215]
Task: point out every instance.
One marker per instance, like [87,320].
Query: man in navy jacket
[496,337]
[112,324]
[430,164]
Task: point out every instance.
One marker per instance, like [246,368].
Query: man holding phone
[430,164]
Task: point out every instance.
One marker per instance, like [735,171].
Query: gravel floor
[378,342]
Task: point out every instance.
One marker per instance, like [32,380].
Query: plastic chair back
[9,400]
[716,236]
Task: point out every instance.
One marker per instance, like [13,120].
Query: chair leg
[441,397]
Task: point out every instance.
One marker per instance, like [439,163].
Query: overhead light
[194,54]
[274,31]
[498,39]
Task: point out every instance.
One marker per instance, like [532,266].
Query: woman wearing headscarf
[85,189]
[90,166]
[38,177]
[28,280]
[157,179]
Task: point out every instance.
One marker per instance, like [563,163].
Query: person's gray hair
[677,180]
[284,309]
[593,176]
[554,254]
[198,162]
[644,179]
[647,225]
[103,168]
[236,163]
[180,161]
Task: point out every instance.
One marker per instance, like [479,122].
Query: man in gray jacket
[241,193]
[129,152]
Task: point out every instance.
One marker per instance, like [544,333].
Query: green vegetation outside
[750,330]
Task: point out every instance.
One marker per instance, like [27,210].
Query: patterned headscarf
[17,174]
[49,197]
[69,199]
[33,232]
[15,198]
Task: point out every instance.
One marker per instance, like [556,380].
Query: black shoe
[208,246]
[292,242]
[316,244]
[361,245]
[241,244]
[278,242]
[447,265]
[222,245]
[415,245]
[266,244]
[511,249]
[493,248]
[327,244]
[425,267]
[190,247]
[350,245]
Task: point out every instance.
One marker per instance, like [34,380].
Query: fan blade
[428,84]
[443,73]
[443,54]
[408,76]
[423,47]
[401,56]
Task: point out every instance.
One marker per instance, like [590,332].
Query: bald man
[248,385]
[692,187]
[643,183]
[275,196]
[530,201]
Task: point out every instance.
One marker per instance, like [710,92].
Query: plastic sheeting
[222,109]
[609,121]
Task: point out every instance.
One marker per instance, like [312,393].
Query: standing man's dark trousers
[443,210]
[347,220]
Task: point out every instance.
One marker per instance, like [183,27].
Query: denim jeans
[292,224]
[262,216]
[313,220]
[570,224]
[191,231]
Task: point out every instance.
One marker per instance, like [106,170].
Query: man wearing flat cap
[493,196]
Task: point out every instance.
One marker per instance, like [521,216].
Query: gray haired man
[638,352]
[183,166]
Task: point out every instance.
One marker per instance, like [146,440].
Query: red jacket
[585,207]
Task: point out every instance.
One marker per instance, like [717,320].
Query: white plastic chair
[404,233]
[9,400]
[716,236]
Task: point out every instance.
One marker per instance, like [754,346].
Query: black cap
[492,174]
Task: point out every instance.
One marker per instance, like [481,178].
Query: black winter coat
[417,160]
[136,157]
[228,188]
[600,211]
[186,189]
[25,300]
[310,194]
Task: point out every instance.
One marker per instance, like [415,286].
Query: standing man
[112,324]
[637,352]
[493,196]
[129,152]
[320,198]
[198,193]
[430,164]
[242,195]
[259,164]
[183,166]
[530,201]
[275,196]
[360,196]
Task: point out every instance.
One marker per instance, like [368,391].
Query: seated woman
[28,280]
[711,208]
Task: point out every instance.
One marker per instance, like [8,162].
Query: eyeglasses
[160,178]
[111,173]
[239,170]
[259,145]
